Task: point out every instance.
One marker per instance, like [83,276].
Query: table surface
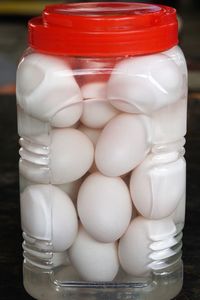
[11,286]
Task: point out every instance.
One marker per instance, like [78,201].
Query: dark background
[13,19]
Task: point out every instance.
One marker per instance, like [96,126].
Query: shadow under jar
[102,105]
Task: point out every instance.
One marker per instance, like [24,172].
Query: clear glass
[102,175]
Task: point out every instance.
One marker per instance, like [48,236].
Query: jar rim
[104,29]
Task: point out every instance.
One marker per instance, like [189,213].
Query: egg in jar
[52,95]
[104,207]
[145,84]
[65,162]
[123,144]
[97,110]
[47,213]
[94,261]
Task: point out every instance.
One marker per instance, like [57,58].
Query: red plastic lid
[104,29]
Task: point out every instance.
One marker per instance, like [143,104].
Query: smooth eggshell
[97,111]
[104,207]
[94,90]
[47,213]
[71,155]
[93,134]
[145,244]
[145,84]
[93,260]
[123,144]
[68,116]
[157,186]
[71,188]
[51,94]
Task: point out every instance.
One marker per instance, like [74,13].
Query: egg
[71,188]
[47,213]
[46,90]
[94,261]
[145,84]
[123,144]
[146,245]
[94,90]
[158,184]
[169,124]
[97,111]
[93,134]
[104,207]
[70,156]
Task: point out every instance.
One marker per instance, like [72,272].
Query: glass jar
[102,106]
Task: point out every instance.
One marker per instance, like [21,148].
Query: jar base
[44,285]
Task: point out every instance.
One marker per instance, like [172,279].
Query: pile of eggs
[90,182]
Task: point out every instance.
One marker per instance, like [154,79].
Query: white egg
[68,116]
[123,144]
[47,213]
[93,134]
[47,90]
[145,84]
[104,207]
[145,244]
[158,184]
[97,110]
[94,90]
[169,124]
[93,260]
[176,54]
[70,156]
[71,188]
